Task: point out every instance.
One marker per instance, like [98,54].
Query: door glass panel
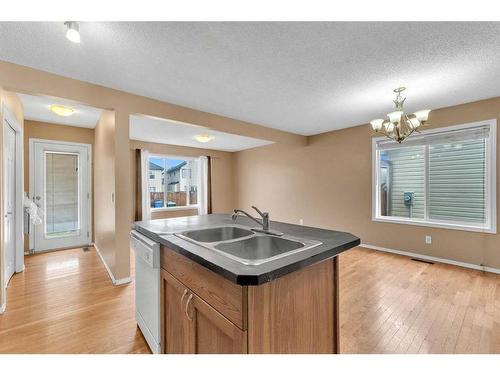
[62,204]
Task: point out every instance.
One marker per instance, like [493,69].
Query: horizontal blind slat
[457,181]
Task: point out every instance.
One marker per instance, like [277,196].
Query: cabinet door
[211,332]
[175,325]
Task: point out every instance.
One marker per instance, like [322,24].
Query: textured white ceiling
[300,77]
[37,108]
[156,130]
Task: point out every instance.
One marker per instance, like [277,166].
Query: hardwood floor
[391,304]
[65,303]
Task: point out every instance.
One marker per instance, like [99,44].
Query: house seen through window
[173,182]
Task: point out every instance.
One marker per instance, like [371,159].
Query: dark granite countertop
[163,231]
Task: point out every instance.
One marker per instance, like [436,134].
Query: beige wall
[222,176]
[11,101]
[53,132]
[22,79]
[328,184]
[104,188]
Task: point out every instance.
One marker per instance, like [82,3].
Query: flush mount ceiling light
[73,32]
[203,138]
[62,110]
[400,125]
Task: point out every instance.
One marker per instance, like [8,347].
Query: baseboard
[433,259]
[2,308]
[122,281]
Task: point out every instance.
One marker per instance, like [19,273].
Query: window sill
[176,208]
[432,224]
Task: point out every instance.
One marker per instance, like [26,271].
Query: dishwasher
[147,288]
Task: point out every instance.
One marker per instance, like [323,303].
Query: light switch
[428,240]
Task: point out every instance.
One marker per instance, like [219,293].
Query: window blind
[457,181]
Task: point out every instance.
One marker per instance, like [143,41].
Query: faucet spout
[237,211]
[264,222]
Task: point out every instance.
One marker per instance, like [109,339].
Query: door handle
[183,296]
[187,307]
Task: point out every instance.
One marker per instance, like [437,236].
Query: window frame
[176,208]
[491,206]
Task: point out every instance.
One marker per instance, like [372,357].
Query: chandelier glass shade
[400,126]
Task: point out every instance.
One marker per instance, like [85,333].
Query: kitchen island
[228,289]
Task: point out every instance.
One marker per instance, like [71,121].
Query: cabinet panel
[226,297]
[295,313]
[175,326]
[211,332]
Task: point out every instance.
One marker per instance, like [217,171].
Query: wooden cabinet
[192,326]
[202,312]
[175,331]
[211,332]
[223,295]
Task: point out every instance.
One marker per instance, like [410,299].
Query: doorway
[60,184]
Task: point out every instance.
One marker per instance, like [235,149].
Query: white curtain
[146,204]
[203,186]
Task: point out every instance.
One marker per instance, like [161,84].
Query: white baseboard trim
[2,308]
[22,269]
[433,259]
[122,281]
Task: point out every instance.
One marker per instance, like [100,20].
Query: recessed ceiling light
[62,110]
[203,138]
[73,32]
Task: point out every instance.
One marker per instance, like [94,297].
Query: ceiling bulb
[203,138]
[62,110]
[413,122]
[389,126]
[400,125]
[422,115]
[395,117]
[377,124]
[73,32]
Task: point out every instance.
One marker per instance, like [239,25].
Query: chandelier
[400,125]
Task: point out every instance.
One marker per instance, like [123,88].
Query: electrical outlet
[301,221]
[428,240]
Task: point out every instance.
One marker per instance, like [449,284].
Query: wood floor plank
[64,302]
[391,304]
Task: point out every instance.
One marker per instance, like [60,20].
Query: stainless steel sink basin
[258,248]
[217,234]
[245,246]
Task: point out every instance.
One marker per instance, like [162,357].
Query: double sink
[245,245]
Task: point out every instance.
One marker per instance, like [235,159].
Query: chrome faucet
[264,220]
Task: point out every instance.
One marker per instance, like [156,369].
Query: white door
[61,178]
[9,199]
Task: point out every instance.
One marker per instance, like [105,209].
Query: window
[443,178]
[173,182]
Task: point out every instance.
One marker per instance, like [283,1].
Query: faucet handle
[260,212]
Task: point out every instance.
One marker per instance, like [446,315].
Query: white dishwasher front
[147,288]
